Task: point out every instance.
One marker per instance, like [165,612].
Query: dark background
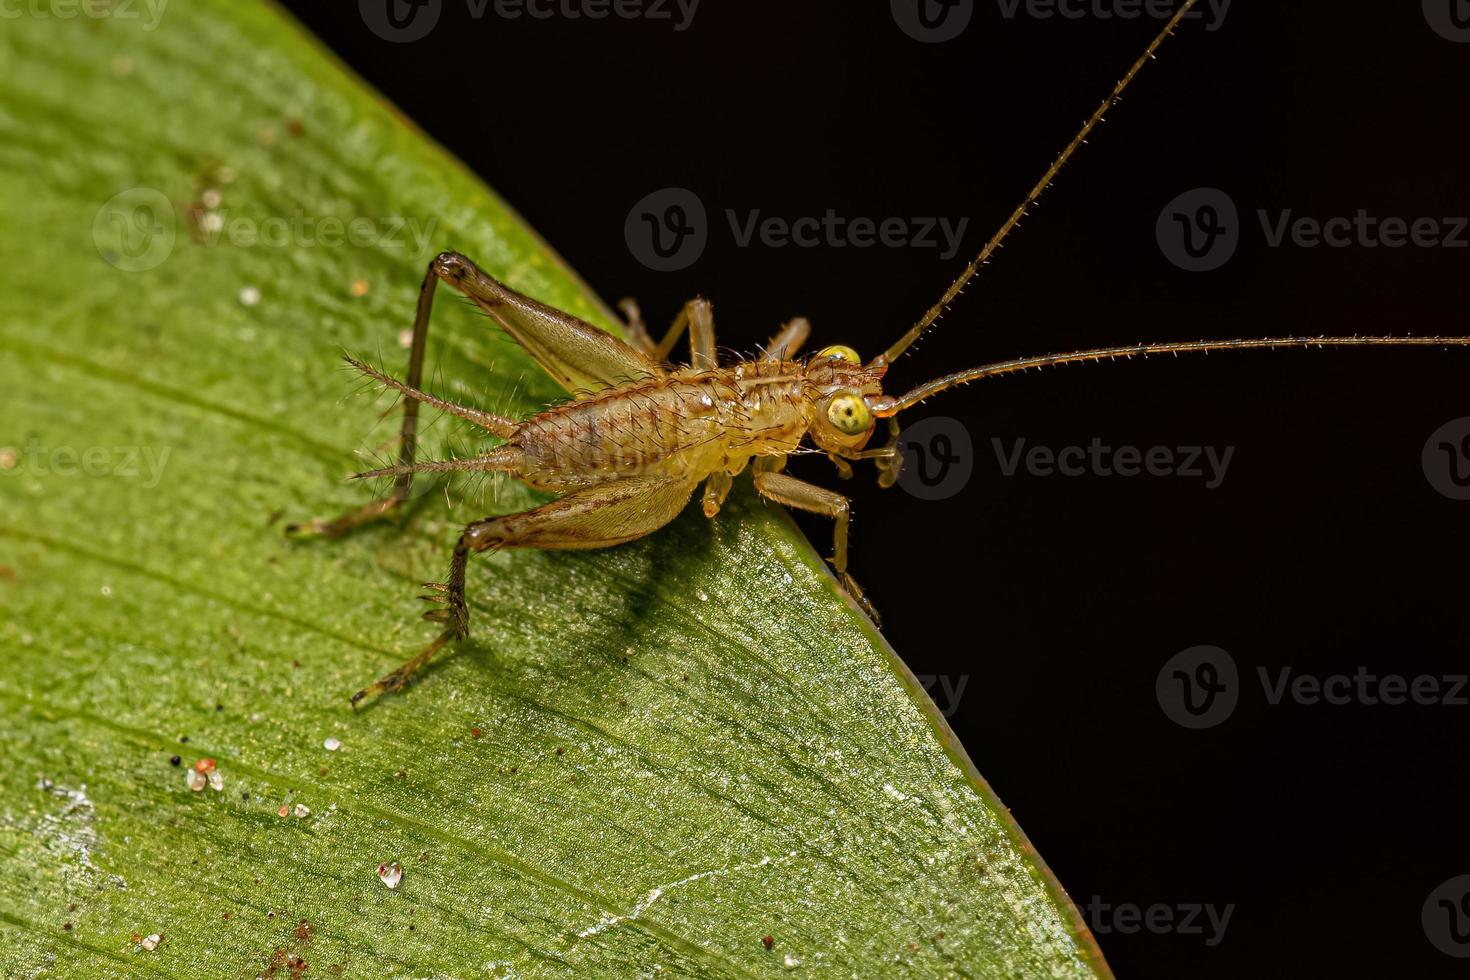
[1060,599]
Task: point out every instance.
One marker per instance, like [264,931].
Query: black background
[1325,548]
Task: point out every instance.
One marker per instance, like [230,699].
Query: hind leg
[597,517]
[408,435]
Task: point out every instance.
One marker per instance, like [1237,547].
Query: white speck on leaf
[250,296]
[332,745]
[151,942]
[391,874]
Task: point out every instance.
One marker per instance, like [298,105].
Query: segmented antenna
[938,309]
[886,407]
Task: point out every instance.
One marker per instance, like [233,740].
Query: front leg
[598,517]
[813,499]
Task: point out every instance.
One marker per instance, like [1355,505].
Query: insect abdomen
[690,424]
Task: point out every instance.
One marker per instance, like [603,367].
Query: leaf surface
[648,758]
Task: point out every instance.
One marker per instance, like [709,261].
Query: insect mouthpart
[882,406]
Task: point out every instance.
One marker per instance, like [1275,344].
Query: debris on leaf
[196,780]
[302,811]
[391,874]
[150,943]
[332,745]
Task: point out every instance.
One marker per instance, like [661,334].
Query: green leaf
[648,757]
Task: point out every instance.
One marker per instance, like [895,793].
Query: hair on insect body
[638,436]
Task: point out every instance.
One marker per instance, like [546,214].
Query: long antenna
[938,309]
[887,406]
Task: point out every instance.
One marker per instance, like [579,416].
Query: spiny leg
[635,331]
[408,433]
[809,497]
[597,517]
[698,316]
[788,340]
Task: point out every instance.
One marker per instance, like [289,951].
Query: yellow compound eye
[849,414]
[839,351]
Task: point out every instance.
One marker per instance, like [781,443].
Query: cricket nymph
[639,435]
[694,423]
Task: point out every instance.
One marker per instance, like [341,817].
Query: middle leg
[813,499]
[597,517]
[697,316]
